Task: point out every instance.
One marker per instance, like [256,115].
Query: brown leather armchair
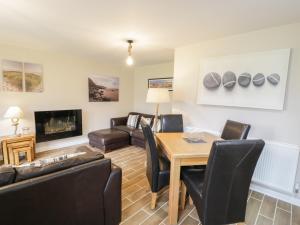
[89,193]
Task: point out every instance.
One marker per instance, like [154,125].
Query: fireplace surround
[58,124]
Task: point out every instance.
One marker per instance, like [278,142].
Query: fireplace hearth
[52,125]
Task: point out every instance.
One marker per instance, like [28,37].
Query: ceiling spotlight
[129,59]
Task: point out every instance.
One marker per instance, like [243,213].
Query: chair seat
[193,179]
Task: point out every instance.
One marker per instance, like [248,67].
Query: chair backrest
[171,123]
[227,179]
[235,130]
[152,170]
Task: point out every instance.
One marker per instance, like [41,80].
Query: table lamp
[157,95]
[14,113]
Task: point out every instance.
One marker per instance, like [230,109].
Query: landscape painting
[12,76]
[33,77]
[161,83]
[103,89]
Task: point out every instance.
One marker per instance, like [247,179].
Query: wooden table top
[18,136]
[177,147]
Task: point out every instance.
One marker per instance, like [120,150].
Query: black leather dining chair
[220,192]
[235,130]
[171,123]
[158,167]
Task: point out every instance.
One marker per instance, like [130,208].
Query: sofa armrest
[118,121]
[112,197]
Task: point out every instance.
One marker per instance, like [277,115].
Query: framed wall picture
[161,83]
[20,77]
[103,88]
[12,76]
[252,80]
[33,77]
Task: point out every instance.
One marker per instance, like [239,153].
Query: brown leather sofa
[87,193]
[136,134]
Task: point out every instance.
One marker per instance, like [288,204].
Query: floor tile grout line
[137,200]
[198,219]
[284,210]
[275,212]
[291,222]
[152,213]
[133,213]
[261,203]
[269,218]
[186,217]
[256,199]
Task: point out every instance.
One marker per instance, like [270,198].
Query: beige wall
[141,76]
[65,87]
[272,125]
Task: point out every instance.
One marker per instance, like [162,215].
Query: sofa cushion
[7,175]
[148,120]
[42,167]
[132,120]
[138,134]
[127,129]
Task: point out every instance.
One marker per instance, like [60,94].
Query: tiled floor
[261,209]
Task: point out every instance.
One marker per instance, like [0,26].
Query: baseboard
[267,190]
[66,142]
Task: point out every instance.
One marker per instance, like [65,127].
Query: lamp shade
[13,112]
[158,95]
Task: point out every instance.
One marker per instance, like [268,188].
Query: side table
[11,144]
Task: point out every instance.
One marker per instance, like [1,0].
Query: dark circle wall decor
[259,80]
[244,79]
[212,80]
[274,79]
[229,80]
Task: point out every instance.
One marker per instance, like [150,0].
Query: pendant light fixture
[129,59]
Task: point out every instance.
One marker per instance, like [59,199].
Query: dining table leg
[174,191]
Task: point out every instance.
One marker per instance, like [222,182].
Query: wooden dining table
[180,152]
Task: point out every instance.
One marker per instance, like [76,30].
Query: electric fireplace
[52,125]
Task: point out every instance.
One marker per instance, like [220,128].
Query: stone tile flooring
[261,209]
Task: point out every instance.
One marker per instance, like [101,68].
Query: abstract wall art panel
[253,80]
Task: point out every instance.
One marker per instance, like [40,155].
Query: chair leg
[191,200]
[183,195]
[153,200]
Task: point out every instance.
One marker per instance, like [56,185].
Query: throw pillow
[132,120]
[147,120]
[7,175]
[43,167]
[158,126]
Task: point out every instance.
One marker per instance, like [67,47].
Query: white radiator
[277,167]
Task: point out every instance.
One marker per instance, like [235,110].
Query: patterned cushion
[132,120]
[146,120]
[158,126]
[54,164]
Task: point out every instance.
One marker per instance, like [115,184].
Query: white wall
[270,125]
[280,126]
[65,87]
[141,76]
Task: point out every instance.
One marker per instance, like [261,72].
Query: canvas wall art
[12,76]
[33,77]
[103,89]
[19,76]
[161,83]
[254,80]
